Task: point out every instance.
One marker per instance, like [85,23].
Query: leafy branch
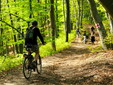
[11,27]
[19,17]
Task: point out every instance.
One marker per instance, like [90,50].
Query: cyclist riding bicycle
[31,40]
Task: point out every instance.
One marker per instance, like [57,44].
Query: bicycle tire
[26,71]
[39,65]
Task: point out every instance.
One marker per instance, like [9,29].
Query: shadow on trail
[72,51]
[96,73]
[75,50]
[48,79]
[55,79]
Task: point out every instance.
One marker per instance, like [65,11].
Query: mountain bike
[28,66]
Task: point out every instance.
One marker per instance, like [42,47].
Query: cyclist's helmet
[34,23]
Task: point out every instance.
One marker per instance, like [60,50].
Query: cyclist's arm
[40,36]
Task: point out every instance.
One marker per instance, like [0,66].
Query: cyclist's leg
[36,50]
[85,39]
[36,55]
[38,62]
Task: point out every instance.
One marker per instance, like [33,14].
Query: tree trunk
[38,1]
[57,25]
[68,24]
[16,46]
[108,5]
[0,6]
[74,15]
[1,29]
[64,15]
[79,11]
[7,49]
[101,29]
[53,25]
[30,7]
[111,24]
[15,39]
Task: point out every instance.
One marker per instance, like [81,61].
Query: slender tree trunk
[53,25]
[21,46]
[68,24]
[38,1]
[101,29]
[79,15]
[19,37]
[57,26]
[0,8]
[64,15]
[41,21]
[1,29]
[45,18]
[6,48]
[30,7]
[1,43]
[111,24]
[16,46]
[74,13]
[15,38]
[1,32]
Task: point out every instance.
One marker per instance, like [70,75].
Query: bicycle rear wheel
[26,70]
[39,65]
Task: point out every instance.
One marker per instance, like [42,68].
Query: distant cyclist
[85,37]
[78,33]
[31,39]
[92,37]
[92,30]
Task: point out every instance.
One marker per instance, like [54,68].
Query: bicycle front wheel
[26,70]
[39,65]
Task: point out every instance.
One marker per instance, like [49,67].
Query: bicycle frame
[29,57]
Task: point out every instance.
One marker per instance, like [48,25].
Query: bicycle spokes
[26,70]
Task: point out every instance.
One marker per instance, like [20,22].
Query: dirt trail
[73,66]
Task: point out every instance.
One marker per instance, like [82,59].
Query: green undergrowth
[9,62]
[45,50]
[60,45]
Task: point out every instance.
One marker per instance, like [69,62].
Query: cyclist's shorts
[33,48]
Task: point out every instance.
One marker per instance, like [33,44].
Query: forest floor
[76,65]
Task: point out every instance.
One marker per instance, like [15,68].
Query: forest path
[73,66]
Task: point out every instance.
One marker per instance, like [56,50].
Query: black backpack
[29,33]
